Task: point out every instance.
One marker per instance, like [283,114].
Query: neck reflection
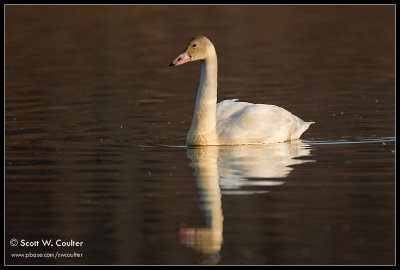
[234,170]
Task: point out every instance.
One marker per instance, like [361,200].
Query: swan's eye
[194,45]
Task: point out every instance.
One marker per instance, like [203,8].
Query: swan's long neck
[203,128]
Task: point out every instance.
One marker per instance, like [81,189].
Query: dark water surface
[96,122]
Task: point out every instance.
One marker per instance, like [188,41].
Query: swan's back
[247,123]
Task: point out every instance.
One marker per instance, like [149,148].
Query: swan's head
[198,48]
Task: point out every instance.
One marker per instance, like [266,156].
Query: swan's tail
[301,130]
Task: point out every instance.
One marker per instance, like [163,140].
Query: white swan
[230,122]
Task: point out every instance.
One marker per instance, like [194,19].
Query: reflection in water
[234,170]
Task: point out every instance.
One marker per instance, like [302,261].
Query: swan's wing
[228,107]
[243,122]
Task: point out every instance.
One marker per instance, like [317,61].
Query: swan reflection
[235,170]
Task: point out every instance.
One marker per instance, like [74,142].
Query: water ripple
[354,141]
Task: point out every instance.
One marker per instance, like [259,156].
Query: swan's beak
[180,60]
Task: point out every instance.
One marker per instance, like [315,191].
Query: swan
[231,122]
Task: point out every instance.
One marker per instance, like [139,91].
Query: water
[95,128]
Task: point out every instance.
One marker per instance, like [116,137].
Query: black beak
[171,64]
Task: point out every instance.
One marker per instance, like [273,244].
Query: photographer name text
[50,243]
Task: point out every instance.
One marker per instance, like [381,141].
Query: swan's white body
[247,123]
[230,122]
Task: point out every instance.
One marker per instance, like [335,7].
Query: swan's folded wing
[242,122]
